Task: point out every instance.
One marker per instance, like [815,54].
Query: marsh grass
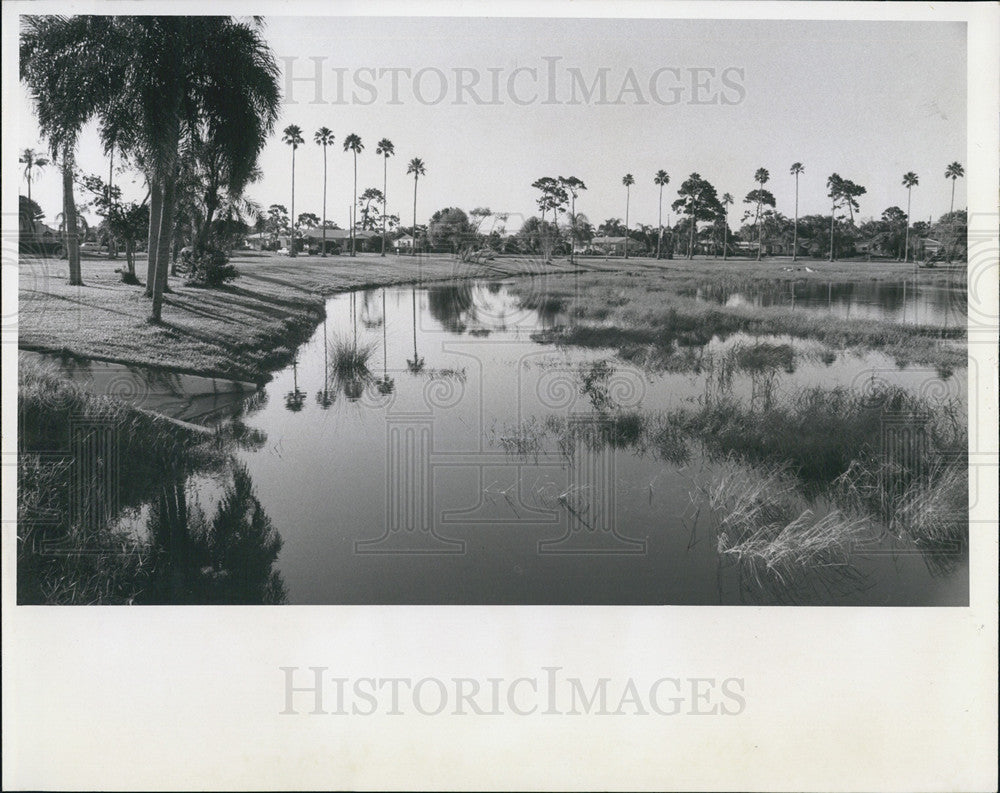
[643,323]
[349,359]
[804,476]
[764,520]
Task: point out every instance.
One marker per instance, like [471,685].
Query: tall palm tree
[155,83]
[352,143]
[727,201]
[662,179]
[33,164]
[760,177]
[573,186]
[324,138]
[910,180]
[628,180]
[417,168]
[387,150]
[293,137]
[796,169]
[954,171]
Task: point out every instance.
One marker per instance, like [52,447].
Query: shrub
[207,267]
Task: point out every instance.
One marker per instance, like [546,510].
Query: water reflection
[415,364]
[905,301]
[228,560]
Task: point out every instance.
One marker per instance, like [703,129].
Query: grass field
[250,327]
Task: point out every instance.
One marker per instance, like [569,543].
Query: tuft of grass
[764,520]
[348,359]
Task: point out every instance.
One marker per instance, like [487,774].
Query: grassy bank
[251,327]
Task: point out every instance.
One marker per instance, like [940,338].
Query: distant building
[615,246]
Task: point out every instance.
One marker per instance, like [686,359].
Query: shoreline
[281,300]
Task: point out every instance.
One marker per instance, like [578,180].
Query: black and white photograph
[519,331]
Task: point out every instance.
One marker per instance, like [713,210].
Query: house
[403,243]
[615,246]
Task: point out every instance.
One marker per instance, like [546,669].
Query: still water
[425,478]
[892,301]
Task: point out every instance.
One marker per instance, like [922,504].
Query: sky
[868,100]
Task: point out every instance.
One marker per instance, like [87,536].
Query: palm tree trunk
[951,221]
[760,231]
[385,191]
[795,232]
[572,232]
[659,222]
[413,247]
[906,239]
[627,197]
[725,236]
[324,201]
[163,242]
[69,216]
[691,239]
[152,242]
[833,212]
[293,202]
[353,222]
[29,185]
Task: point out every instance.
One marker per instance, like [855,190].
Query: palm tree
[573,186]
[628,180]
[417,168]
[910,180]
[954,171]
[352,143]
[33,164]
[387,150]
[293,137]
[662,178]
[760,177]
[727,201]
[156,83]
[324,138]
[796,169]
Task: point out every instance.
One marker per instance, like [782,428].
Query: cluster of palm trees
[324,137]
[843,193]
[157,86]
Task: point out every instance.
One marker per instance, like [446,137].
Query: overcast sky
[865,99]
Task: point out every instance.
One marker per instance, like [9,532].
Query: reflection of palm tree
[325,397]
[295,399]
[386,384]
[417,364]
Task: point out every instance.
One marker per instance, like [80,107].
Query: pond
[421,450]
[893,301]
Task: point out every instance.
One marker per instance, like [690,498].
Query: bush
[207,267]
